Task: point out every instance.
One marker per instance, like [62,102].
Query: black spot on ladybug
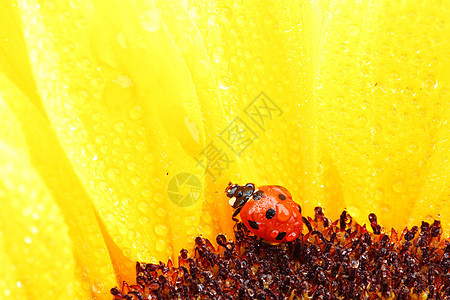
[281,236]
[253,225]
[282,197]
[258,195]
[270,213]
[299,208]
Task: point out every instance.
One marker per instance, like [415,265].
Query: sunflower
[123,122]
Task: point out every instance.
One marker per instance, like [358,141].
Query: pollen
[329,260]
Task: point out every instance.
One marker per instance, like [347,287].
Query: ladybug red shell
[267,211]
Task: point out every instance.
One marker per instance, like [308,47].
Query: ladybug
[268,211]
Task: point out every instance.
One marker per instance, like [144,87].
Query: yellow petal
[361,101]
[35,244]
[50,230]
[379,108]
[127,116]
[14,55]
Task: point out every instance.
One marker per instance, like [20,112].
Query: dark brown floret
[332,260]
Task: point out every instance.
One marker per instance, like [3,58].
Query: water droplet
[212,20]
[158,198]
[354,211]
[193,128]
[131,166]
[136,112]
[429,218]
[81,23]
[385,208]
[136,180]
[189,221]
[181,15]
[151,21]
[190,230]
[375,129]
[140,146]
[146,193]
[160,245]
[224,83]
[143,207]
[83,94]
[97,288]
[194,12]
[127,252]
[320,169]
[100,139]
[161,230]
[124,81]
[218,53]
[206,217]
[240,20]
[123,229]
[121,40]
[207,230]
[353,30]
[295,158]
[398,187]
[148,157]
[161,212]
[379,192]
[227,14]
[412,148]
[113,173]
[143,220]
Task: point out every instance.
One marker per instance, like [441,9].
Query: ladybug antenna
[239,195]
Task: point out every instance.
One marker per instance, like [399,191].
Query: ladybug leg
[236,212]
[306,222]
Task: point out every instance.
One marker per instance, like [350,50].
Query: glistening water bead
[330,260]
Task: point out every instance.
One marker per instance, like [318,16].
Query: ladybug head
[239,195]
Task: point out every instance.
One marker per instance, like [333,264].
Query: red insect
[268,211]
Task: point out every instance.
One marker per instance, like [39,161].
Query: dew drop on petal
[353,30]
[412,148]
[97,288]
[144,220]
[113,173]
[354,211]
[119,126]
[161,230]
[218,53]
[136,113]
[143,207]
[224,83]
[151,21]
[161,212]
[160,245]
[158,198]
[398,187]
